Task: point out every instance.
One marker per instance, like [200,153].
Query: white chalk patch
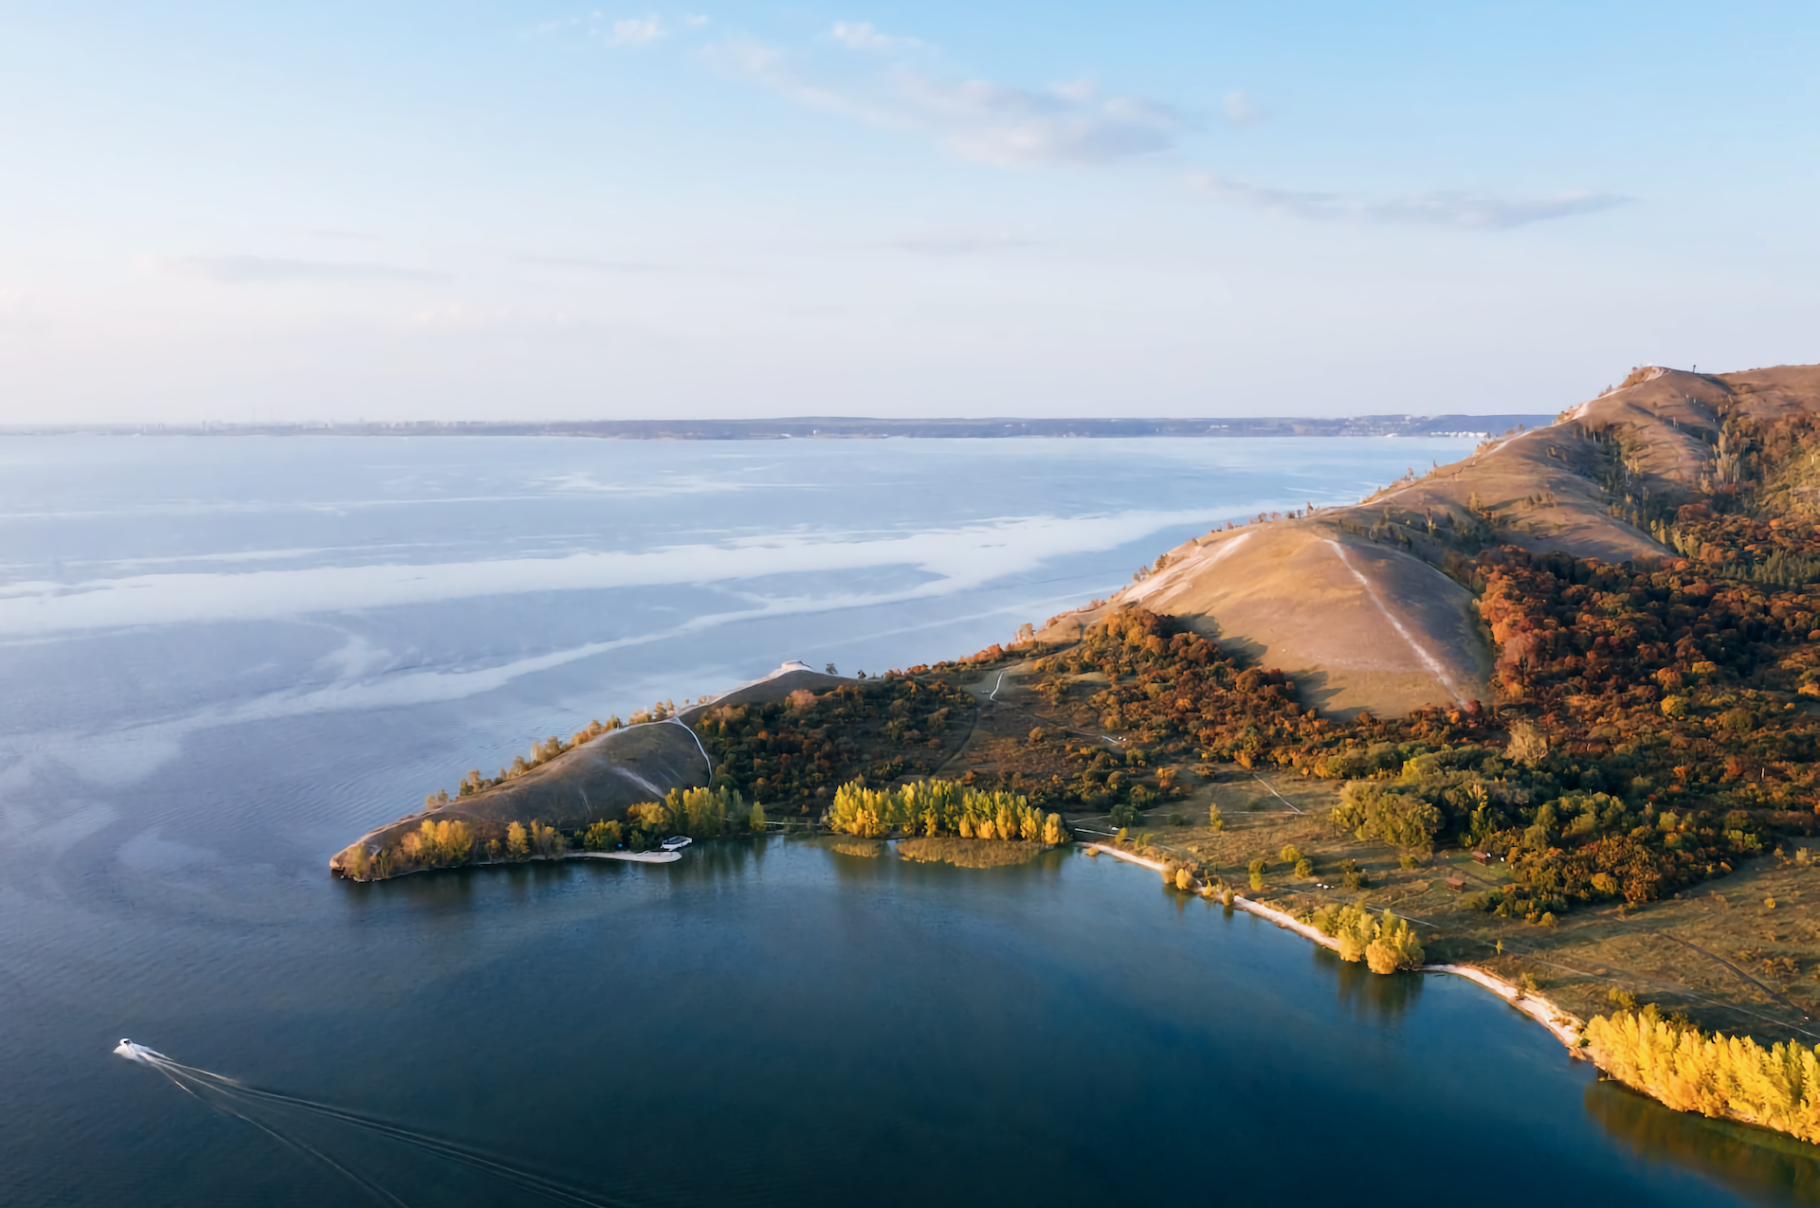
[1421,652]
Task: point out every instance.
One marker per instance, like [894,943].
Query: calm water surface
[223,658]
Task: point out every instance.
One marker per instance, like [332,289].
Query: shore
[1564,1025]
[642,857]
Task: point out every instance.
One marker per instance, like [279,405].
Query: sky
[248,212]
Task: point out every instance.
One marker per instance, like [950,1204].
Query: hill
[1363,605]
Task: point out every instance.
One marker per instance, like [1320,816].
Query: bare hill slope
[1354,603]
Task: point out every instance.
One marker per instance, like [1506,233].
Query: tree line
[1719,1076]
[940,807]
[700,813]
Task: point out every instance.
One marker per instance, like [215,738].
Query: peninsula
[1552,705]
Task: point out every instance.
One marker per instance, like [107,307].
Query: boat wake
[263,1109]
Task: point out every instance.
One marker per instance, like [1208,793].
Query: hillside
[1356,604]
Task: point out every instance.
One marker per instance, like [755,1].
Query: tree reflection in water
[1749,1161]
[1367,994]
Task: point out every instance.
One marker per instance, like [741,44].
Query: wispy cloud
[593,265]
[252,270]
[1467,211]
[960,245]
[1241,110]
[1068,125]
[634,31]
[862,35]
[617,32]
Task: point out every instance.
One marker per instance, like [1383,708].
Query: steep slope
[1353,602]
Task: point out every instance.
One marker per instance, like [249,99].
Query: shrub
[1215,818]
[1304,868]
[1291,854]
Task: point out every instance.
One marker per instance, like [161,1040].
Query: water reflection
[1748,1161]
[1368,995]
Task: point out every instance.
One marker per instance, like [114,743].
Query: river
[224,657]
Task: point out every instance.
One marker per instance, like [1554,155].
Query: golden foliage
[1721,1076]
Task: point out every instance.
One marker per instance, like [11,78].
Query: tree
[602,836]
[1528,743]
[831,670]
[1184,878]
[1215,818]
[518,842]
[756,820]
[1291,854]
[1394,947]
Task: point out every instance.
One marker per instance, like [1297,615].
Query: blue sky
[488,210]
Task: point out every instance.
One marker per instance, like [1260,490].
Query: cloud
[635,31]
[250,270]
[862,35]
[599,266]
[960,245]
[1068,125]
[625,31]
[1240,110]
[1466,211]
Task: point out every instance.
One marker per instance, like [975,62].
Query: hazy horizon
[742,211]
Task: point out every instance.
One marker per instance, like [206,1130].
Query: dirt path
[1713,956]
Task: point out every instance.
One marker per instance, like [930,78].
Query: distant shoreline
[847,428]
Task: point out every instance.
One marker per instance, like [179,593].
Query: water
[223,658]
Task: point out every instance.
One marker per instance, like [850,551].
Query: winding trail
[692,734]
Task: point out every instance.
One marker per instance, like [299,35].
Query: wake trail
[294,1143]
[450,1150]
[479,1160]
[194,1081]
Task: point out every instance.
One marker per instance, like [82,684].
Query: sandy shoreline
[1565,1026]
[642,857]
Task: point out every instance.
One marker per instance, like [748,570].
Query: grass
[968,853]
[870,849]
[1718,953]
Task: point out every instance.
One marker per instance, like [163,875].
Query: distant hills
[837,428]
